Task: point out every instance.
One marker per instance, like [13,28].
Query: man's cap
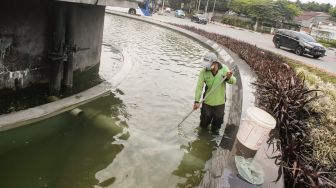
[208,59]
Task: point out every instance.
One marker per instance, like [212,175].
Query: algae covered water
[129,138]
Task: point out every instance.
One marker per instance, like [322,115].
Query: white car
[168,10]
[179,14]
[136,11]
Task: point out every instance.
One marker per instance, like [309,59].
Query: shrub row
[247,24]
[284,94]
[328,43]
[323,125]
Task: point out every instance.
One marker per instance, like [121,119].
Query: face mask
[208,68]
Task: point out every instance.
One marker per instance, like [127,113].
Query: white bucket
[255,128]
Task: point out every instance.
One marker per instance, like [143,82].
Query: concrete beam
[94,2]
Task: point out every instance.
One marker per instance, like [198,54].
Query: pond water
[129,138]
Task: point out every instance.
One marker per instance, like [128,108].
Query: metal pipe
[97,119]
[76,112]
[93,117]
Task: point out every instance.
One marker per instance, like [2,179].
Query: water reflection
[155,95]
[195,156]
[158,92]
[71,157]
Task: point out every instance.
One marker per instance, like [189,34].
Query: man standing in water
[212,110]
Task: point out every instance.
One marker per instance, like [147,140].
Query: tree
[240,6]
[176,4]
[328,7]
[298,3]
[263,9]
[287,10]
[280,10]
[333,12]
[222,5]
[314,6]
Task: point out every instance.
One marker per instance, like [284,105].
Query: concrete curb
[38,113]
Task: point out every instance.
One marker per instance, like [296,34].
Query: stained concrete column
[70,43]
[56,54]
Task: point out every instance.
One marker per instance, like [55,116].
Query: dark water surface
[127,139]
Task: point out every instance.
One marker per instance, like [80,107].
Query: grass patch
[327,43]
[324,75]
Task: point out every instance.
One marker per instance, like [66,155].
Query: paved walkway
[264,41]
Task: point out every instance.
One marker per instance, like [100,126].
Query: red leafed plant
[282,93]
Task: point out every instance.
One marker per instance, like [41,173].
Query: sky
[333,2]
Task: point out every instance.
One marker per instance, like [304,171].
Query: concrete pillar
[70,43]
[56,54]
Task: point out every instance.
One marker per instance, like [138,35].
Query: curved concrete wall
[239,96]
[88,34]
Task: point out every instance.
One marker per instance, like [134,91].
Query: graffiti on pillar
[5,44]
[16,67]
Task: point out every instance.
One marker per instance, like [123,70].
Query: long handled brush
[210,92]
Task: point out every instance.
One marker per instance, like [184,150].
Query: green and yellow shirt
[206,77]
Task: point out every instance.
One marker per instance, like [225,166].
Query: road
[264,41]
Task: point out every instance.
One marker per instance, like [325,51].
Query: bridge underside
[46,41]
